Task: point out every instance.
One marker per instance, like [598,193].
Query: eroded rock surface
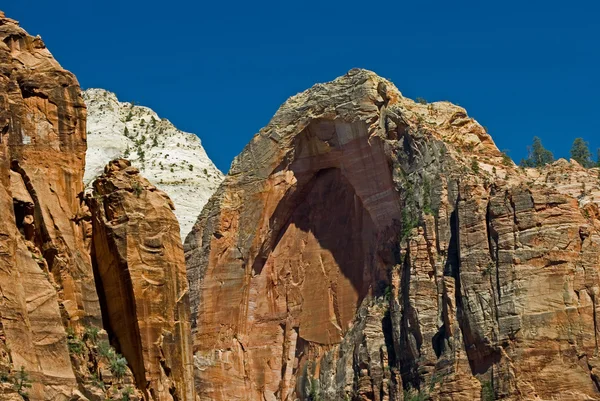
[141,268]
[367,247]
[47,280]
[53,342]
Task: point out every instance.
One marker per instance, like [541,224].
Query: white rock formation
[173,160]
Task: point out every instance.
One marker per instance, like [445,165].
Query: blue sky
[221,69]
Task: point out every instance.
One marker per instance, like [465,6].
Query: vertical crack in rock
[492,237]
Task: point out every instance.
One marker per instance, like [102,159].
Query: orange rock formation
[52,335]
[141,269]
[367,247]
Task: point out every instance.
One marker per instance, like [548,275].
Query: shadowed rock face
[141,270]
[364,245]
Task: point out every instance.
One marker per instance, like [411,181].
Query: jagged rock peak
[173,160]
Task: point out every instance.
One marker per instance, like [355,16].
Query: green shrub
[414,395]
[74,343]
[315,391]
[408,223]
[105,350]
[387,293]
[127,393]
[21,382]
[137,188]
[117,365]
[116,362]
[420,100]
[97,382]
[91,333]
[4,376]
[506,160]
[475,166]
[487,391]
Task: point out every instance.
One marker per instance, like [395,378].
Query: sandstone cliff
[141,269]
[53,342]
[47,280]
[173,160]
[367,247]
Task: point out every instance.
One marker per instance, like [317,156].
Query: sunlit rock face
[55,324]
[46,277]
[141,270]
[367,247]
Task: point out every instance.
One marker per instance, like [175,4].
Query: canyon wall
[141,269]
[362,247]
[368,247]
[55,323]
[47,274]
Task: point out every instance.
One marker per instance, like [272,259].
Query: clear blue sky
[221,69]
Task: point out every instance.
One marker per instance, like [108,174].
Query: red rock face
[42,122]
[318,220]
[367,247]
[141,269]
[51,319]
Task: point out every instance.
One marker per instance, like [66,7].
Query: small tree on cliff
[21,383]
[538,155]
[598,158]
[581,152]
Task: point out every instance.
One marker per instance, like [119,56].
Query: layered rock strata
[367,247]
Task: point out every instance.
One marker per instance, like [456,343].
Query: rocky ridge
[173,160]
[363,247]
[368,247]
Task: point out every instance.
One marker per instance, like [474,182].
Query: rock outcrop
[141,269]
[47,280]
[367,247]
[173,160]
[53,342]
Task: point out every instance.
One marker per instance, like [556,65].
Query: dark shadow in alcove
[480,353]
[327,206]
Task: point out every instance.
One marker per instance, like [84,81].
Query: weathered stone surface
[52,342]
[138,255]
[46,277]
[367,247]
